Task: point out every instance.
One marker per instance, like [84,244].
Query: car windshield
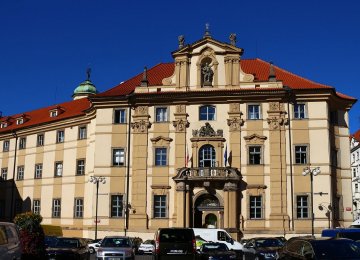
[67,243]
[336,249]
[176,235]
[148,242]
[269,242]
[214,247]
[116,242]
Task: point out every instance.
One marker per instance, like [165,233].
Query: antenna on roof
[207,31]
[88,72]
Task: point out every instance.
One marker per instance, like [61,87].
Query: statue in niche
[207,74]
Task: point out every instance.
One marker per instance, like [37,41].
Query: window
[302,206]
[58,169]
[354,172]
[4,172]
[38,170]
[299,111]
[40,140]
[207,113]
[56,208]
[118,157]
[82,132]
[160,156]
[78,208]
[159,206]
[3,125]
[36,207]
[207,156]
[254,154]
[20,173]
[161,114]
[19,121]
[116,206]
[60,136]
[253,112]
[6,146]
[53,113]
[356,187]
[301,154]
[22,143]
[80,167]
[255,207]
[119,116]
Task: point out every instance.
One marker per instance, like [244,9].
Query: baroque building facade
[209,140]
[355,171]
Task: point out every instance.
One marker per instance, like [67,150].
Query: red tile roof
[356,135]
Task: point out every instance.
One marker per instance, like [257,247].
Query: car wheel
[256,258]
[91,250]
[244,257]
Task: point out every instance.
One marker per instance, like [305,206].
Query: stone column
[180,204]
[230,191]
[235,122]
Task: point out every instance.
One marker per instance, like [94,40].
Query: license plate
[114,258]
[176,252]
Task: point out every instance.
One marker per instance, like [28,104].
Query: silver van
[10,247]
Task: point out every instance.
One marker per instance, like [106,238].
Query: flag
[225,156]
[187,157]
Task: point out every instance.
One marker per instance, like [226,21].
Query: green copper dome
[86,87]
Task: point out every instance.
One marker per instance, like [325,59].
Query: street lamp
[96,180]
[312,172]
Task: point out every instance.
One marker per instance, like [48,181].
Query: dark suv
[175,243]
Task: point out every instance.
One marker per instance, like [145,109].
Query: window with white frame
[255,155]
[161,114]
[79,207]
[3,125]
[302,206]
[254,112]
[60,136]
[160,156]
[353,158]
[207,113]
[354,172]
[117,206]
[160,206]
[357,155]
[119,116]
[356,187]
[6,145]
[40,140]
[301,154]
[19,121]
[22,143]
[80,167]
[53,113]
[82,132]
[56,208]
[299,111]
[4,174]
[118,157]
[38,170]
[36,206]
[58,169]
[20,173]
[255,207]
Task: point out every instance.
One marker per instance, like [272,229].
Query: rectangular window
[38,170]
[356,187]
[22,143]
[40,140]
[82,132]
[161,114]
[4,173]
[60,136]
[58,169]
[20,173]
[116,206]
[36,207]
[53,113]
[78,208]
[159,206]
[6,146]
[301,154]
[299,111]
[118,157]
[160,156]
[207,113]
[253,112]
[354,172]
[119,116]
[255,207]
[80,167]
[302,206]
[254,154]
[56,208]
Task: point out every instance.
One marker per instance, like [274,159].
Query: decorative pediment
[255,139]
[161,140]
[207,131]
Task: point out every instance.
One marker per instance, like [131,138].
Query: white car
[93,247]
[146,247]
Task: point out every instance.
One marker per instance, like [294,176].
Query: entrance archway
[208,212]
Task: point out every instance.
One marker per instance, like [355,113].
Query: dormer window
[54,113]
[20,121]
[3,125]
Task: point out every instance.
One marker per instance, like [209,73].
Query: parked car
[215,251]
[94,245]
[175,243]
[10,247]
[351,233]
[262,248]
[324,248]
[68,248]
[146,247]
[116,247]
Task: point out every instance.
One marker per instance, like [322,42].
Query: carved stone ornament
[181,125]
[141,110]
[180,109]
[274,106]
[207,131]
[235,123]
[140,126]
[255,139]
[234,107]
[275,122]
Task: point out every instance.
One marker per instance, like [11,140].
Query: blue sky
[46,45]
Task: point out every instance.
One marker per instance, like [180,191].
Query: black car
[319,249]
[215,251]
[262,248]
[68,248]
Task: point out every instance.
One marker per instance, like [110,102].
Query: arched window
[207,156]
[207,113]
